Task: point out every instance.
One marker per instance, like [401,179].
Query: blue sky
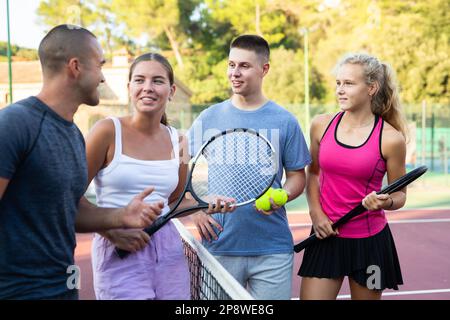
[25,30]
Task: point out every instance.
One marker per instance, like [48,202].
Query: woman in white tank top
[125,155]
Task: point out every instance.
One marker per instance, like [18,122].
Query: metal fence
[429,131]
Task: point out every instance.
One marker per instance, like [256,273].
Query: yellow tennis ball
[268,193]
[279,197]
[263,203]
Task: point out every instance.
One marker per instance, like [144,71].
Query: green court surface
[430,191]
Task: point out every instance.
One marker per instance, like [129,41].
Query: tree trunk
[258,19]
[108,42]
[174,45]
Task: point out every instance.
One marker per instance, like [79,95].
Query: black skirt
[361,259]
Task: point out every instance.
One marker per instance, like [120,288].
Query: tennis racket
[395,186]
[236,163]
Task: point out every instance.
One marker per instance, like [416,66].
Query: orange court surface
[422,240]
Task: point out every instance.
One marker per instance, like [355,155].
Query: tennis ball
[268,193]
[279,197]
[263,203]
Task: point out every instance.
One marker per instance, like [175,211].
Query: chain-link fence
[429,131]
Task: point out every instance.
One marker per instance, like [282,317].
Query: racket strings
[239,164]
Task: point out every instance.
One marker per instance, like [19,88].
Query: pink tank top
[347,175]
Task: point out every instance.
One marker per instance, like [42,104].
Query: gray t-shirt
[245,231]
[44,157]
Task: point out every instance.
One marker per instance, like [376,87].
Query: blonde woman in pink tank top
[351,153]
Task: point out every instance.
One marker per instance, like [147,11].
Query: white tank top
[125,177]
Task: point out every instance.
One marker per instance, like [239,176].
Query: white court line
[300,225]
[403,293]
[400,293]
[308,224]
[446,208]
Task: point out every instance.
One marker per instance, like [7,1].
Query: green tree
[55,12]
[285,83]
[209,83]
[22,53]
[96,15]
[4,48]
[27,54]
[412,36]
[250,16]
[152,18]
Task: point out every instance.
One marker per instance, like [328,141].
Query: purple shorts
[158,272]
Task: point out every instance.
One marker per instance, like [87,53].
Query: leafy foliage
[412,36]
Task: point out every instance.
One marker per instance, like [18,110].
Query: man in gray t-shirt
[255,247]
[43,174]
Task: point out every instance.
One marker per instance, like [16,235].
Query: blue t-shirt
[43,157]
[245,231]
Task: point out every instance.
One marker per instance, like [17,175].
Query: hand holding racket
[236,163]
[395,186]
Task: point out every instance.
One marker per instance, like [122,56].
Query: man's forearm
[91,218]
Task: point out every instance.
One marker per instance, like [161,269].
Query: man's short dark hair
[62,43]
[253,43]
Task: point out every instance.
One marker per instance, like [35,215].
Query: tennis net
[209,279]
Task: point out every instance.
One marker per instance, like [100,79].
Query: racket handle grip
[308,241]
[155,226]
[122,253]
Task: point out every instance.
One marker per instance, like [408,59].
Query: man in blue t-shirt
[254,247]
[43,174]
